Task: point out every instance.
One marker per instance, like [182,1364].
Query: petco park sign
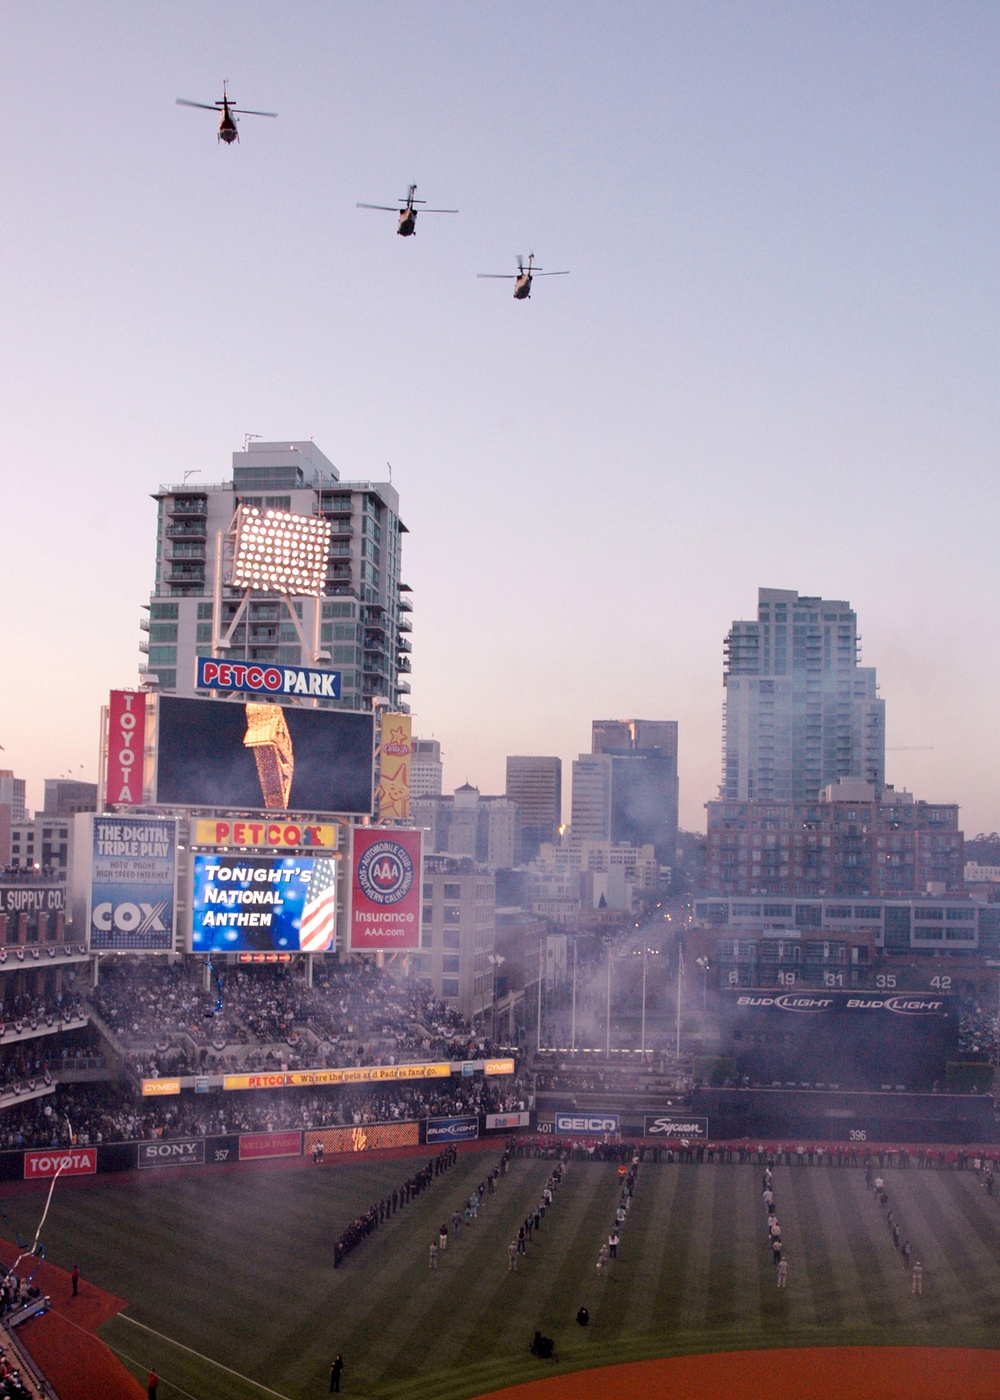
[266,680]
[75,1161]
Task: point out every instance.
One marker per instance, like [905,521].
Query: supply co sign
[385,889]
[126,738]
[75,1161]
[172,1152]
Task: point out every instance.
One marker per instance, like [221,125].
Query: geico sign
[129,917]
[77,1161]
[171,1154]
[586,1122]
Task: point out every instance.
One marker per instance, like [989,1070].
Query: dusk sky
[774,361]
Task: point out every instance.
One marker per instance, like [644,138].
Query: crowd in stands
[170,1022]
[977,1031]
[112,1111]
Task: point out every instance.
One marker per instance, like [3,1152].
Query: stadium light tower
[272,551]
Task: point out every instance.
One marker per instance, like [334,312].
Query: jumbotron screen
[242,903]
[856,1039]
[254,756]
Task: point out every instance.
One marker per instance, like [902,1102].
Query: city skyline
[772,364]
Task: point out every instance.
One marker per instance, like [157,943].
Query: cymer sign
[217,753]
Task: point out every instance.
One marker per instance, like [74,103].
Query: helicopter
[227,126]
[522,278]
[407,225]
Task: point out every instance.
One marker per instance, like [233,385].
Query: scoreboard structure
[847,1039]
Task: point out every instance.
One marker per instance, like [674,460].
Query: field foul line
[142,1366]
[201,1357]
[118,1352]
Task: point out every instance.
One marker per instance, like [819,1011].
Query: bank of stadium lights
[277,552]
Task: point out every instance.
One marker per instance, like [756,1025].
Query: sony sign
[171,1152]
[586,1122]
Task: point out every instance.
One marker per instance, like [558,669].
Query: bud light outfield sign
[385,889]
[230,676]
[451,1129]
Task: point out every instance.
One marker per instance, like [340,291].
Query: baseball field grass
[232,1294]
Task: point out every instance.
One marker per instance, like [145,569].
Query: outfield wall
[43,1163]
[846,1117]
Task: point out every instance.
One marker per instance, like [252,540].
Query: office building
[644,783]
[535,784]
[64,797]
[12,809]
[362,628]
[799,710]
[849,843]
[457,935]
[590,813]
[484,829]
[44,844]
[425,768]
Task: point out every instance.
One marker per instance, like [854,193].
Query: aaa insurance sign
[385,889]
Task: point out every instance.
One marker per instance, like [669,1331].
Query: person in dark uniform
[152,1385]
[75,1276]
[336,1371]
[583,1317]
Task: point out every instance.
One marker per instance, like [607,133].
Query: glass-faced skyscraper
[799,710]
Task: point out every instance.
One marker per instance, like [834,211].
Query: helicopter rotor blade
[389,208]
[499,276]
[249,112]
[183,102]
[439,211]
[535,273]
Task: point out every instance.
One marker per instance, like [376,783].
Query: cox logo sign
[586,1122]
[385,872]
[129,917]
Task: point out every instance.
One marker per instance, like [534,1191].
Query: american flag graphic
[318,926]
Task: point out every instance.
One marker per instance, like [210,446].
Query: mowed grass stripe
[647,1245]
[960,1279]
[429,1304]
[727,1237]
[846,1269]
[695,1300]
[571,1272]
[678,1238]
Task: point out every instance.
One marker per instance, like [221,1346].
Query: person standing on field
[432,1257]
[917,1286]
[783,1273]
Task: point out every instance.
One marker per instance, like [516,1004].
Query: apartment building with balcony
[363,629]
